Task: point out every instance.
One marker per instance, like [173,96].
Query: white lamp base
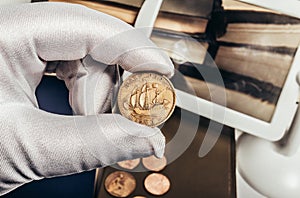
[266,170]
[243,190]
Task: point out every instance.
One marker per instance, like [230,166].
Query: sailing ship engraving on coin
[120,184]
[146,98]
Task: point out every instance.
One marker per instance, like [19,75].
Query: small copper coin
[129,164]
[157,184]
[147,98]
[139,197]
[154,164]
[120,184]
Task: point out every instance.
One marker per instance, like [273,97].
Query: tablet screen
[253,79]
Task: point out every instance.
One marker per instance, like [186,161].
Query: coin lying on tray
[154,164]
[147,98]
[129,164]
[120,184]
[157,184]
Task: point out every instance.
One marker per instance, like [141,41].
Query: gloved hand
[36,144]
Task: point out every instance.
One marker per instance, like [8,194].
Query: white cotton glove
[36,144]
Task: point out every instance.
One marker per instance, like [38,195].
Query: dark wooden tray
[190,175]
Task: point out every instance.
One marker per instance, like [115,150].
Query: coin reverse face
[120,184]
[157,184]
[146,98]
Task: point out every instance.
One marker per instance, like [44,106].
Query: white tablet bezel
[288,7]
[285,108]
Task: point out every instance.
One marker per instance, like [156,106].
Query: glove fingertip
[159,153]
[159,146]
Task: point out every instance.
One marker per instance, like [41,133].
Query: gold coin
[120,184]
[139,197]
[157,184]
[129,164]
[154,164]
[146,98]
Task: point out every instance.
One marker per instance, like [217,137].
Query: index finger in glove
[58,31]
